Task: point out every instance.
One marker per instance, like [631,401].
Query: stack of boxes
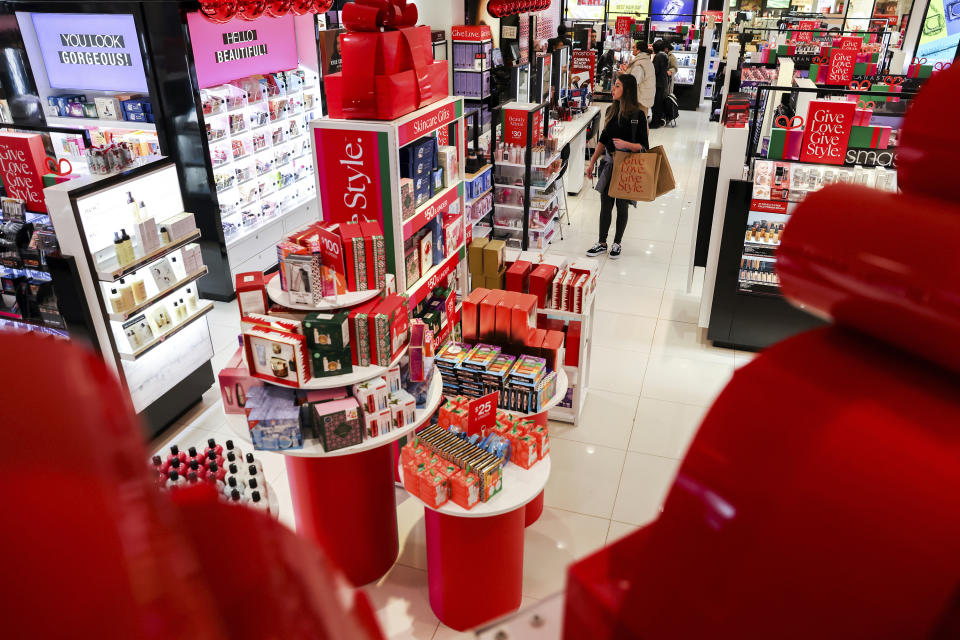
[418,161]
[486,260]
[118,107]
[328,342]
[378,330]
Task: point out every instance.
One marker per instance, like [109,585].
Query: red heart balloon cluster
[221,11]
[502,8]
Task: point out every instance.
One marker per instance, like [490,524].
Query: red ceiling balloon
[301,7]
[218,11]
[251,9]
[278,8]
[322,6]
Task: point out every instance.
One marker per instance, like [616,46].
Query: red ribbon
[870,104]
[919,61]
[940,66]
[796,122]
[862,85]
[819,59]
[56,167]
[893,80]
[375,15]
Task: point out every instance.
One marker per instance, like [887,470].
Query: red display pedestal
[465,590]
[533,510]
[347,504]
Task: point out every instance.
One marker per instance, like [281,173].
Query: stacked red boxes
[488,314]
[541,282]
[388,329]
[523,317]
[375,247]
[354,255]
[470,314]
[572,356]
[359,322]
[518,276]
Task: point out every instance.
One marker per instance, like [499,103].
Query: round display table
[475,556]
[345,499]
[342,301]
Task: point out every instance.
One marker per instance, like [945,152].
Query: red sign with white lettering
[483,413]
[471,33]
[768,206]
[851,43]
[622,26]
[409,131]
[22,162]
[516,127]
[439,276]
[582,66]
[806,28]
[331,259]
[841,66]
[827,131]
[348,163]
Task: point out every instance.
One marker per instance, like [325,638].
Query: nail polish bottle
[234,472]
[230,485]
[174,479]
[257,502]
[252,473]
[213,446]
[232,448]
[232,458]
[216,472]
[255,485]
[254,462]
[235,496]
[192,478]
[176,453]
[213,458]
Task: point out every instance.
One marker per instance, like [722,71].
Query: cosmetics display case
[406,174]
[786,163]
[126,280]
[472,68]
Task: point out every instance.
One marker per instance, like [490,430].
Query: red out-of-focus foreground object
[821,496]
[92,549]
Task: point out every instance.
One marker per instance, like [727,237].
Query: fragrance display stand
[461,594]
[344,499]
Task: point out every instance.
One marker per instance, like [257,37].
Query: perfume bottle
[176,312]
[126,245]
[192,301]
[118,247]
[178,269]
[126,294]
[164,236]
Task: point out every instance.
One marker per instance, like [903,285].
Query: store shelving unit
[577,376]
[379,143]
[167,370]
[472,68]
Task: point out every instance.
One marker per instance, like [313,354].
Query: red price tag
[483,413]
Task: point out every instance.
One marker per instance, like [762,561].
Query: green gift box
[773,56]
[782,49]
[880,88]
[860,69]
[778,140]
[814,71]
[925,71]
[327,331]
[860,137]
[330,362]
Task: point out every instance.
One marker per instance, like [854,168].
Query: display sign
[768,206]
[623,24]
[94,51]
[350,166]
[432,119]
[805,33]
[851,43]
[331,260]
[22,158]
[482,413]
[841,66]
[827,132]
[593,9]
[238,48]
[672,10]
[582,66]
[470,33]
[516,126]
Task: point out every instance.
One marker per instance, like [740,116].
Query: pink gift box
[791,147]
[235,384]
[862,117]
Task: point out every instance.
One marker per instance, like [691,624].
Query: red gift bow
[869,104]
[893,80]
[56,167]
[374,15]
[919,61]
[863,85]
[796,122]
[819,59]
[940,66]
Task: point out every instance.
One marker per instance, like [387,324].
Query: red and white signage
[768,206]
[483,413]
[827,131]
[425,123]
[440,275]
[851,43]
[582,66]
[516,126]
[420,219]
[22,162]
[348,169]
[622,26]
[470,33]
[331,258]
[805,30]
[841,66]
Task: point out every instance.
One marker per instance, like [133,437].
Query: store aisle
[652,378]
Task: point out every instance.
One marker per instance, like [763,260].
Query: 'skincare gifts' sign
[22,159]
[90,51]
[827,131]
[239,48]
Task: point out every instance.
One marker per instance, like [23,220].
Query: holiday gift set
[386,73]
[521,440]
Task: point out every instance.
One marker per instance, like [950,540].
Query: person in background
[660,65]
[561,40]
[672,66]
[641,68]
[624,129]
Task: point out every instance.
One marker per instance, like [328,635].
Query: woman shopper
[660,66]
[625,128]
[673,67]
[641,68]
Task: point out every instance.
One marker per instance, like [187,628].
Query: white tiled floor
[653,376]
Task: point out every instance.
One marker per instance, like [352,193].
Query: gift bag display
[640,176]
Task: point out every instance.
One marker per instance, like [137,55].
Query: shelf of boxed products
[100,123]
[313,448]
[430,209]
[112,270]
[417,292]
[472,200]
[359,374]
[535,165]
[245,231]
[348,299]
[159,338]
[123,316]
[520,486]
[563,384]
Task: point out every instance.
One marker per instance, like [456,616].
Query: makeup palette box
[376,253]
[192,256]
[327,330]
[447,161]
[452,233]
[285,249]
[392,376]
[299,270]
[388,329]
[251,293]
[354,250]
[480,357]
[108,108]
[470,314]
[359,324]
[372,395]
[338,424]
[275,427]
[180,225]
[523,317]
[421,348]
[280,357]
[403,408]
[449,357]
[425,244]
[411,264]
[503,318]
[330,362]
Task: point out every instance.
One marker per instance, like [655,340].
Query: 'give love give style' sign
[827,132]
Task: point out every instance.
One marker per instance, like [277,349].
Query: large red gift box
[390,73]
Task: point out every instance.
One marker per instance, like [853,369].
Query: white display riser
[258,251]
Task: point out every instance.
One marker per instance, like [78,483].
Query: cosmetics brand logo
[841,66]
[827,132]
[349,176]
[871,158]
[582,65]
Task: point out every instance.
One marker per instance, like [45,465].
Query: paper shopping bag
[665,181]
[634,176]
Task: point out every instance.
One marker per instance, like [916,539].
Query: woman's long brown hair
[627,104]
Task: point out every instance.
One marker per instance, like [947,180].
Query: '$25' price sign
[483,414]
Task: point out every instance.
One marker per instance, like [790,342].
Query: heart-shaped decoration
[57,167]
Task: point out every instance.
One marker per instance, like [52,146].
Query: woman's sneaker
[615,251]
[597,249]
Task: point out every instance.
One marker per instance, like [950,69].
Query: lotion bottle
[139,290]
[116,301]
[126,294]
